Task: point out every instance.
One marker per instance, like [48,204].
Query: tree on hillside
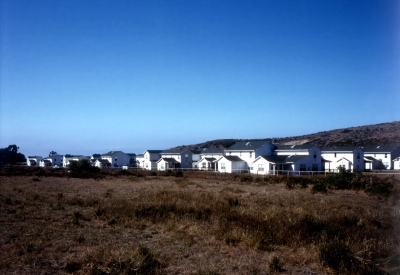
[10,155]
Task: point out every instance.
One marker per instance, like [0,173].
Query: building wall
[356,157]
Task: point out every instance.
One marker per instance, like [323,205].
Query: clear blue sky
[83,77]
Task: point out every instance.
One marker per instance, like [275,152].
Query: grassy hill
[377,134]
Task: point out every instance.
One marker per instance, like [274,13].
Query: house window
[251,154]
[240,153]
[358,155]
[315,155]
[303,167]
[385,155]
[374,155]
[335,155]
[222,166]
[261,167]
[315,167]
[204,165]
[162,166]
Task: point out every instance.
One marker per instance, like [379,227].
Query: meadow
[195,223]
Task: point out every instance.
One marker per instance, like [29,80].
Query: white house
[45,162]
[384,153]
[101,163]
[314,163]
[175,159]
[117,158]
[396,163]
[33,160]
[167,163]
[150,159]
[248,151]
[349,157]
[140,160]
[283,164]
[201,153]
[231,164]
[207,164]
[68,158]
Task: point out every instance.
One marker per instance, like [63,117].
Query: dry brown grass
[168,225]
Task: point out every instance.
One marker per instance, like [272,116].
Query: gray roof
[283,159]
[301,147]
[154,151]
[103,161]
[339,149]
[111,153]
[379,148]
[247,145]
[169,160]
[233,158]
[140,156]
[209,159]
[370,158]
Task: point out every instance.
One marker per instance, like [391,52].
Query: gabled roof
[344,159]
[370,158]
[112,153]
[281,159]
[169,160]
[303,147]
[231,158]
[131,154]
[247,145]
[153,151]
[325,160]
[103,161]
[140,156]
[379,148]
[339,149]
[207,159]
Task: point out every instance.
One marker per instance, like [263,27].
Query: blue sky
[84,77]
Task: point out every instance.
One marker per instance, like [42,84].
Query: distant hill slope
[377,134]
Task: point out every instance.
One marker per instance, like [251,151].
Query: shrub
[381,188]
[319,187]
[275,264]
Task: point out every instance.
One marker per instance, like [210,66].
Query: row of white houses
[258,157]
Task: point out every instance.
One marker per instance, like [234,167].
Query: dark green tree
[52,153]
[10,155]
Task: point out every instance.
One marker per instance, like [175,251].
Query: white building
[348,157]
[248,151]
[117,158]
[382,153]
[33,160]
[203,157]
[283,164]
[171,159]
[314,162]
[396,163]
[150,159]
[68,158]
[230,164]
[140,160]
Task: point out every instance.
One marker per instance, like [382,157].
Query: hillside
[377,134]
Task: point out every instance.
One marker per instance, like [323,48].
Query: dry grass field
[142,224]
